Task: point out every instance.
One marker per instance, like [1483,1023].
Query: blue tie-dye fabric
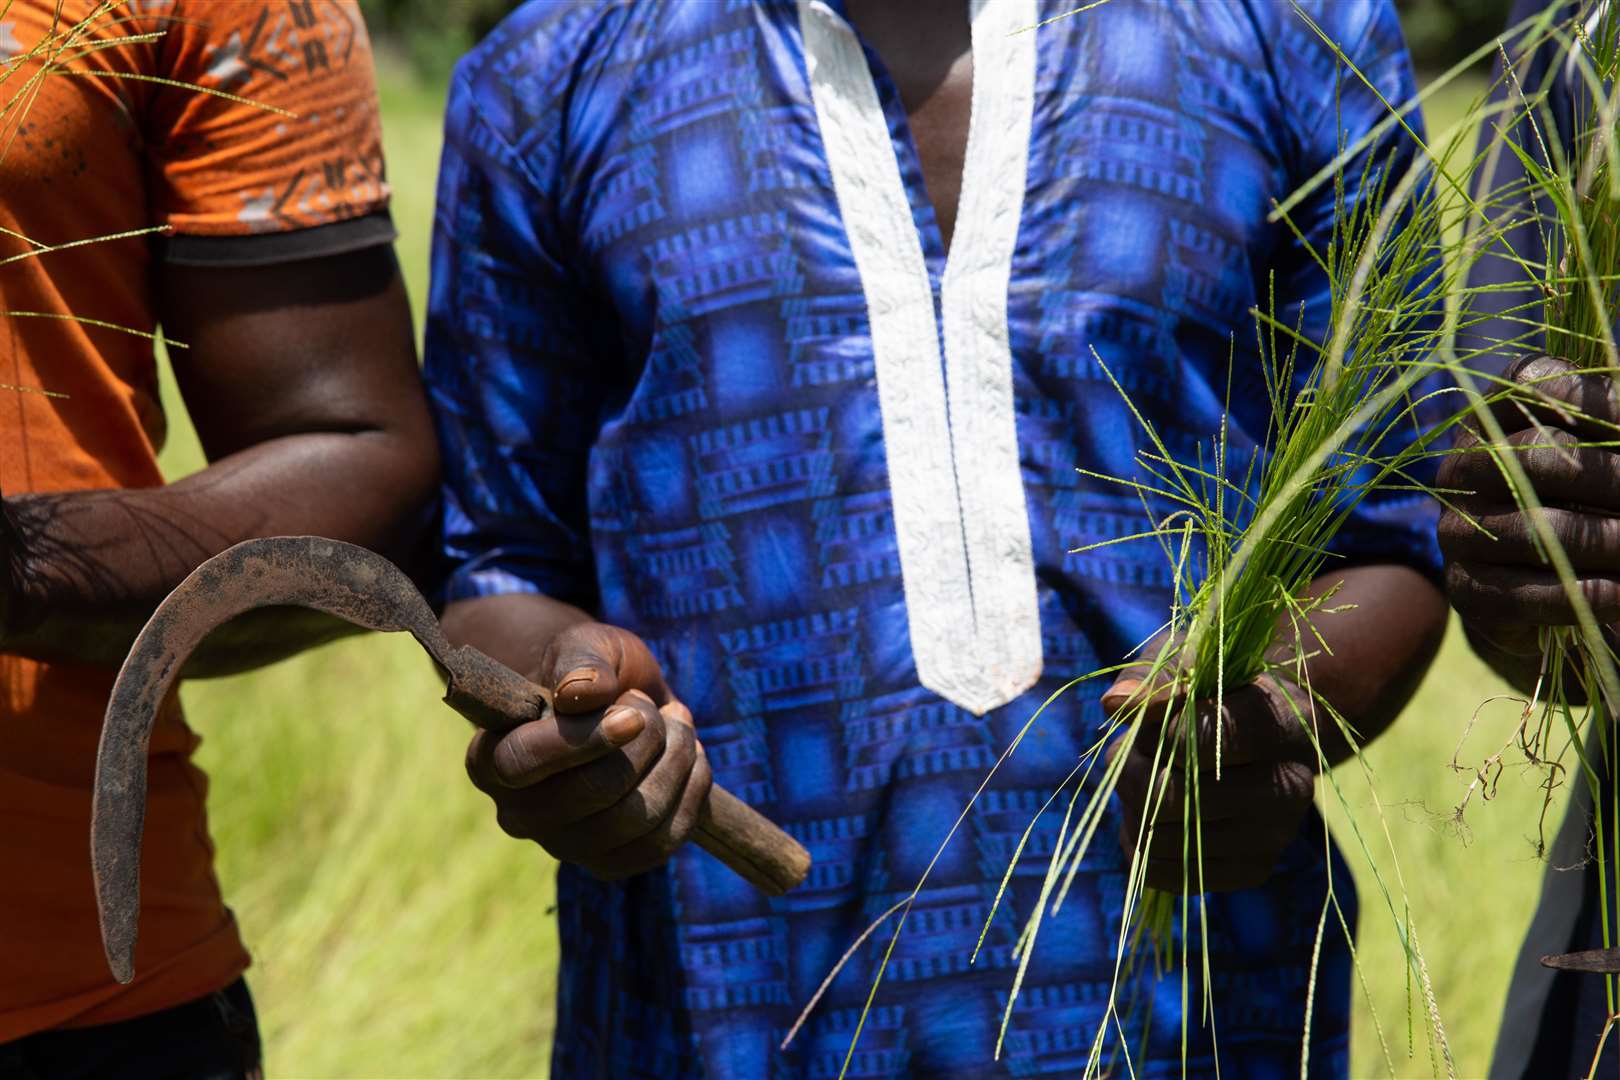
[649,354]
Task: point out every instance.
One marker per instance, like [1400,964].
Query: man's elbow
[407,475]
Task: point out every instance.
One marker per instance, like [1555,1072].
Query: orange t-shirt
[91,146]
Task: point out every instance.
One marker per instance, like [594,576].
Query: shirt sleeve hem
[468,584]
[272,248]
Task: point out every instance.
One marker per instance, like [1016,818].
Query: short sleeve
[275,136]
[1337,110]
[513,378]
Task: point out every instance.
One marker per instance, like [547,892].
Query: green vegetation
[398,932]
[431,34]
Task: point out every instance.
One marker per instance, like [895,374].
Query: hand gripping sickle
[366,589]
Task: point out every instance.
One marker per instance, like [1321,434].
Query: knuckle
[504,762]
[514,760]
[684,822]
[702,773]
[1553,448]
[1296,782]
[640,698]
[550,659]
[681,742]
[681,829]
[1454,533]
[678,712]
[511,823]
[1602,594]
[473,761]
[583,636]
[1463,437]
[583,645]
[646,808]
[1463,589]
[614,642]
[606,781]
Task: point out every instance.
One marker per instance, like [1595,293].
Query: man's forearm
[1388,626]
[514,628]
[89,567]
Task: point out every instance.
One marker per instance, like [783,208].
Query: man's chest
[838,393]
[730,198]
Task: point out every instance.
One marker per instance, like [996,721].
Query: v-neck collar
[949,422]
[907,156]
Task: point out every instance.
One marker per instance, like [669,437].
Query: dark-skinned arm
[301,380]
[1387,625]
[1381,630]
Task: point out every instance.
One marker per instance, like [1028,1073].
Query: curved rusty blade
[1593,961]
[340,579]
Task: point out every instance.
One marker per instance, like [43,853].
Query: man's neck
[927,47]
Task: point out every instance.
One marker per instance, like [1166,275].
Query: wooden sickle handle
[493,696]
[751,844]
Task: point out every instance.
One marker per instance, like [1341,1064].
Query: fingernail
[621,725]
[1120,693]
[577,681]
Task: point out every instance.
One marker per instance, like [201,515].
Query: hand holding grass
[1329,681]
[1563,427]
[1249,808]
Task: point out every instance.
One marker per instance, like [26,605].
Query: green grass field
[398,933]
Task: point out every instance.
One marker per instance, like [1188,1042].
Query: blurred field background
[398,933]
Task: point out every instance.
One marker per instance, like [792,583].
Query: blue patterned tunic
[701,365]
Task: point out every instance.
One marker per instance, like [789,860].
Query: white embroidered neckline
[966,558]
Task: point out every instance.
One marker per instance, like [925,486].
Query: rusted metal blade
[367,590]
[341,579]
[1594,961]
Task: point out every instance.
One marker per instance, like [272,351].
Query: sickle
[361,587]
[1592,961]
